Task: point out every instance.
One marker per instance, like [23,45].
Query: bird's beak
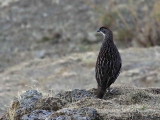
[98,30]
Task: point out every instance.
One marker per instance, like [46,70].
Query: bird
[108,64]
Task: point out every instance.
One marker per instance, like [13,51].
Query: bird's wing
[116,72]
[110,72]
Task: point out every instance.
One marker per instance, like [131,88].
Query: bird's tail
[100,92]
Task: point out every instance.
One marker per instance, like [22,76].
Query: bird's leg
[109,90]
[100,92]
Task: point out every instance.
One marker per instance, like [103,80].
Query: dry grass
[135,23]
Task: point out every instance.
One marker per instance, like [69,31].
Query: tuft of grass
[12,115]
[144,107]
[45,39]
[51,38]
[139,97]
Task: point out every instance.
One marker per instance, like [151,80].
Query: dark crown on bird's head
[104,30]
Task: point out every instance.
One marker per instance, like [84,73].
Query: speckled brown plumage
[108,63]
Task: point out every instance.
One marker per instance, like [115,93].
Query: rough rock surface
[37,115]
[141,68]
[52,112]
[124,103]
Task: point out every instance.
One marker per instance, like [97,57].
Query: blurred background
[37,36]
[38,28]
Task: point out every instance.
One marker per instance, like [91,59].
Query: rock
[75,95]
[29,98]
[32,106]
[124,103]
[37,115]
[25,104]
[75,114]
[50,103]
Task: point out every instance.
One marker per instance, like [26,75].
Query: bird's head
[104,31]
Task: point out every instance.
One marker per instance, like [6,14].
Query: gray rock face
[63,114]
[37,115]
[32,106]
[75,114]
[29,98]
[26,103]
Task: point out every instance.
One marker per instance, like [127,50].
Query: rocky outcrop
[123,103]
[31,106]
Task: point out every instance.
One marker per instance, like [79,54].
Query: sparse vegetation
[136,23]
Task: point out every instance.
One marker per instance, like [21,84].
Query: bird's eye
[103,31]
